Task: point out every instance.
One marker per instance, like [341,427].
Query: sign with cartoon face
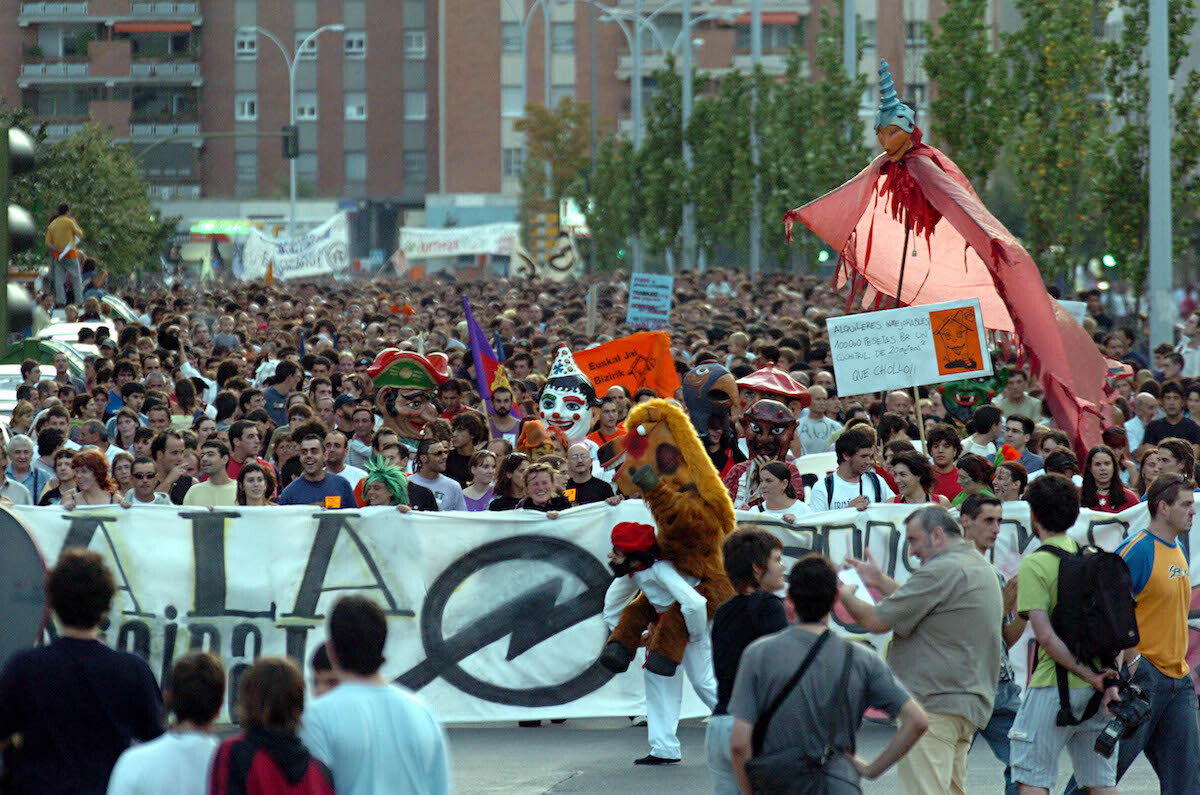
[568,398]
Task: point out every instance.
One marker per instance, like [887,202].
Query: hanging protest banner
[322,251]
[637,361]
[900,348]
[493,619]
[649,300]
[419,243]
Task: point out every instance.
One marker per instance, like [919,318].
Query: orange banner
[637,361]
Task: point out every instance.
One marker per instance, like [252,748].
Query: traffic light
[16,157]
[291,141]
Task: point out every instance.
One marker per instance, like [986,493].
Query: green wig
[391,476]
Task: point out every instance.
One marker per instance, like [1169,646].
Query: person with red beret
[634,559]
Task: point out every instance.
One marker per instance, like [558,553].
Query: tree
[108,197]
[1124,183]
[664,179]
[561,137]
[722,180]
[1057,63]
[969,103]
[612,208]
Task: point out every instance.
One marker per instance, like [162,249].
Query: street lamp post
[755,147]
[292,60]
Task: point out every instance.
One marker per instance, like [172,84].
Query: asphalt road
[597,756]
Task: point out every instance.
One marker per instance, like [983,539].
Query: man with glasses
[431,468]
[145,475]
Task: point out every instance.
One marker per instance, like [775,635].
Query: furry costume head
[660,435]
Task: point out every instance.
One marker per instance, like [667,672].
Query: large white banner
[492,616]
[499,239]
[322,251]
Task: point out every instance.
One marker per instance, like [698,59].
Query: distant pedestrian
[62,240]
[375,737]
[268,758]
[178,761]
[76,703]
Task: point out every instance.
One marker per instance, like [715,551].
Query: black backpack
[1095,615]
[870,475]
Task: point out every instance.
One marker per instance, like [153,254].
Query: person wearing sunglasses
[144,475]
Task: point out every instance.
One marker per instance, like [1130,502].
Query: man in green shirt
[1036,739]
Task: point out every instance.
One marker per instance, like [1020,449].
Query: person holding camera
[1162,587]
[1036,739]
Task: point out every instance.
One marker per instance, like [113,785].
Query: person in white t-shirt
[179,760]
[854,483]
[779,497]
[816,430]
[985,426]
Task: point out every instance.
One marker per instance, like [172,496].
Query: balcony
[54,72]
[166,72]
[164,9]
[59,131]
[51,12]
[153,131]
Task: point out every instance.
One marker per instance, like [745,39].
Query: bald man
[900,402]
[816,430]
[1145,410]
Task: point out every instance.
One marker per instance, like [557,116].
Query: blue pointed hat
[891,109]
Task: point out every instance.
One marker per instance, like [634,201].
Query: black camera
[1128,715]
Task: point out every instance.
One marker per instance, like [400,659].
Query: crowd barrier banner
[322,251]
[492,616]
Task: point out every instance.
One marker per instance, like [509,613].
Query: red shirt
[946,483]
[1102,502]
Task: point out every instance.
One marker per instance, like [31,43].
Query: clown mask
[568,398]
[769,430]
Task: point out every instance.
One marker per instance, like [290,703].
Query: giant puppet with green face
[568,398]
[405,386]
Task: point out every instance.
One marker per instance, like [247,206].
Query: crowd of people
[259,396]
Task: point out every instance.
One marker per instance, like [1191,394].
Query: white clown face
[566,409]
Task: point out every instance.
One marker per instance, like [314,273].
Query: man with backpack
[1038,736]
[1162,587]
[946,644]
[854,483]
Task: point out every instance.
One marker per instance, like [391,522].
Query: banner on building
[495,619]
[323,251]
[637,361]
[499,239]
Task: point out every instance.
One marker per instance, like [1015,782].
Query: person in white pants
[634,554]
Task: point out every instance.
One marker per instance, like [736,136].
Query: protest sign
[649,300]
[900,348]
[493,619]
[322,251]
[1076,309]
[639,360]
[418,243]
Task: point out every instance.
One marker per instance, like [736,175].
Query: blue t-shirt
[377,738]
[302,491]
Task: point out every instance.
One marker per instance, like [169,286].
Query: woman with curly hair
[1102,488]
[93,486]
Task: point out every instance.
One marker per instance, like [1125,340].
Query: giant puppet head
[769,429]
[895,122]
[776,384]
[568,398]
[405,385]
[711,397]
[961,398]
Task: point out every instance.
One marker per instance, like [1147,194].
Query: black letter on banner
[199,632]
[329,527]
[169,634]
[82,530]
[140,632]
[237,644]
[208,549]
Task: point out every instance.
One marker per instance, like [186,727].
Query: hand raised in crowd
[1009,592]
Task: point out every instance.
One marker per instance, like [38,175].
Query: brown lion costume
[667,465]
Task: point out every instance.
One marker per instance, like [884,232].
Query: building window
[414,45]
[356,45]
[562,36]
[774,37]
[306,106]
[414,105]
[414,167]
[245,45]
[917,94]
[245,165]
[559,93]
[511,101]
[510,37]
[914,33]
[246,107]
[309,53]
[356,105]
[306,166]
[513,161]
[356,167]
